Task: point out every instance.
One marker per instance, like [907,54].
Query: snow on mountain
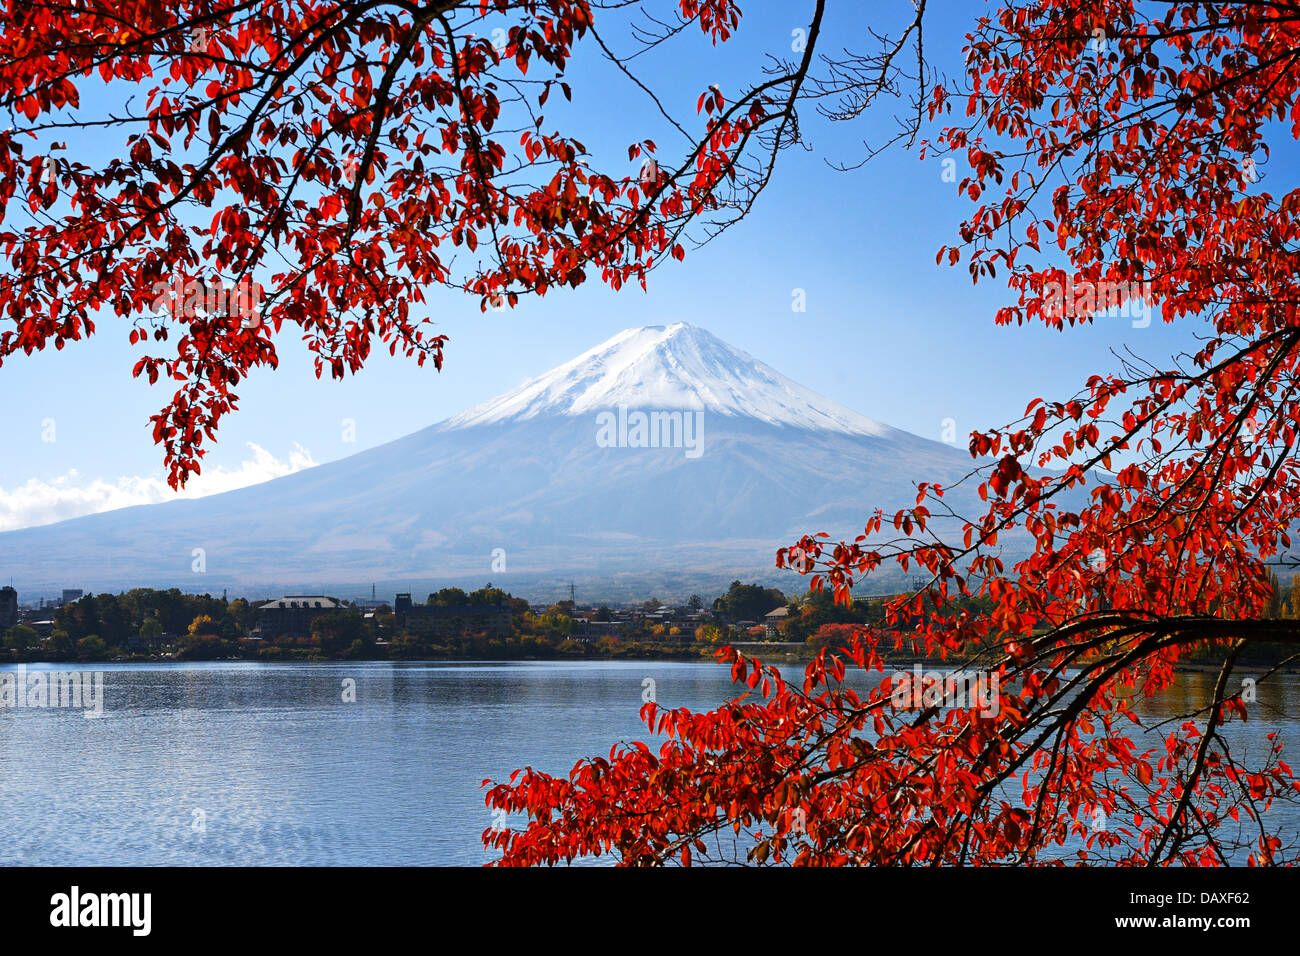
[678,366]
[528,476]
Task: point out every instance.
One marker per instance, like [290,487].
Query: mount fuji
[661,459]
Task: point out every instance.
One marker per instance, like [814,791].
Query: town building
[43,626]
[584,630]
[773,620]
[292,614]
[8,608]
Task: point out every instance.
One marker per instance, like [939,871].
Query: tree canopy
[316,166]
[1113,152]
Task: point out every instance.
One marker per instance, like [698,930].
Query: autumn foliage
[1110,146]
[330,161]
[313,168]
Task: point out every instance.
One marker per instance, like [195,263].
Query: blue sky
[886,332]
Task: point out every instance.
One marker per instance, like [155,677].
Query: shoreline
[779,659]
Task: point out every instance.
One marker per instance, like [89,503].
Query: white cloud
[70,495]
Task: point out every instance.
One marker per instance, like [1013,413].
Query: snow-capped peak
[670,367]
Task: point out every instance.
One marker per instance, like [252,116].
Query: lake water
[235,763]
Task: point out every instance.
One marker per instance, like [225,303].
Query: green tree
[61,645]
[338,631]
[80,618]
[91,648]
[20,637]
[709,634]
[554,625]
[748,602]
[151,632]
[489,595]
[448,597]
[243,613]
[113,619]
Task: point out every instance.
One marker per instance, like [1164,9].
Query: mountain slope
[531,472]
[671,367]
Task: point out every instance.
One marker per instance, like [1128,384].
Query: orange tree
[1114,151]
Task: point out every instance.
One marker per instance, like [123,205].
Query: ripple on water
[265,764]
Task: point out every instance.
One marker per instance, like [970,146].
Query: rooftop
[291,601]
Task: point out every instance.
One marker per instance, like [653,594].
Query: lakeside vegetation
[147,624]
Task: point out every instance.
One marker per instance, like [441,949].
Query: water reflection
[243,763]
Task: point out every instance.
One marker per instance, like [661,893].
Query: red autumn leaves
[346,156]
[1128,527]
